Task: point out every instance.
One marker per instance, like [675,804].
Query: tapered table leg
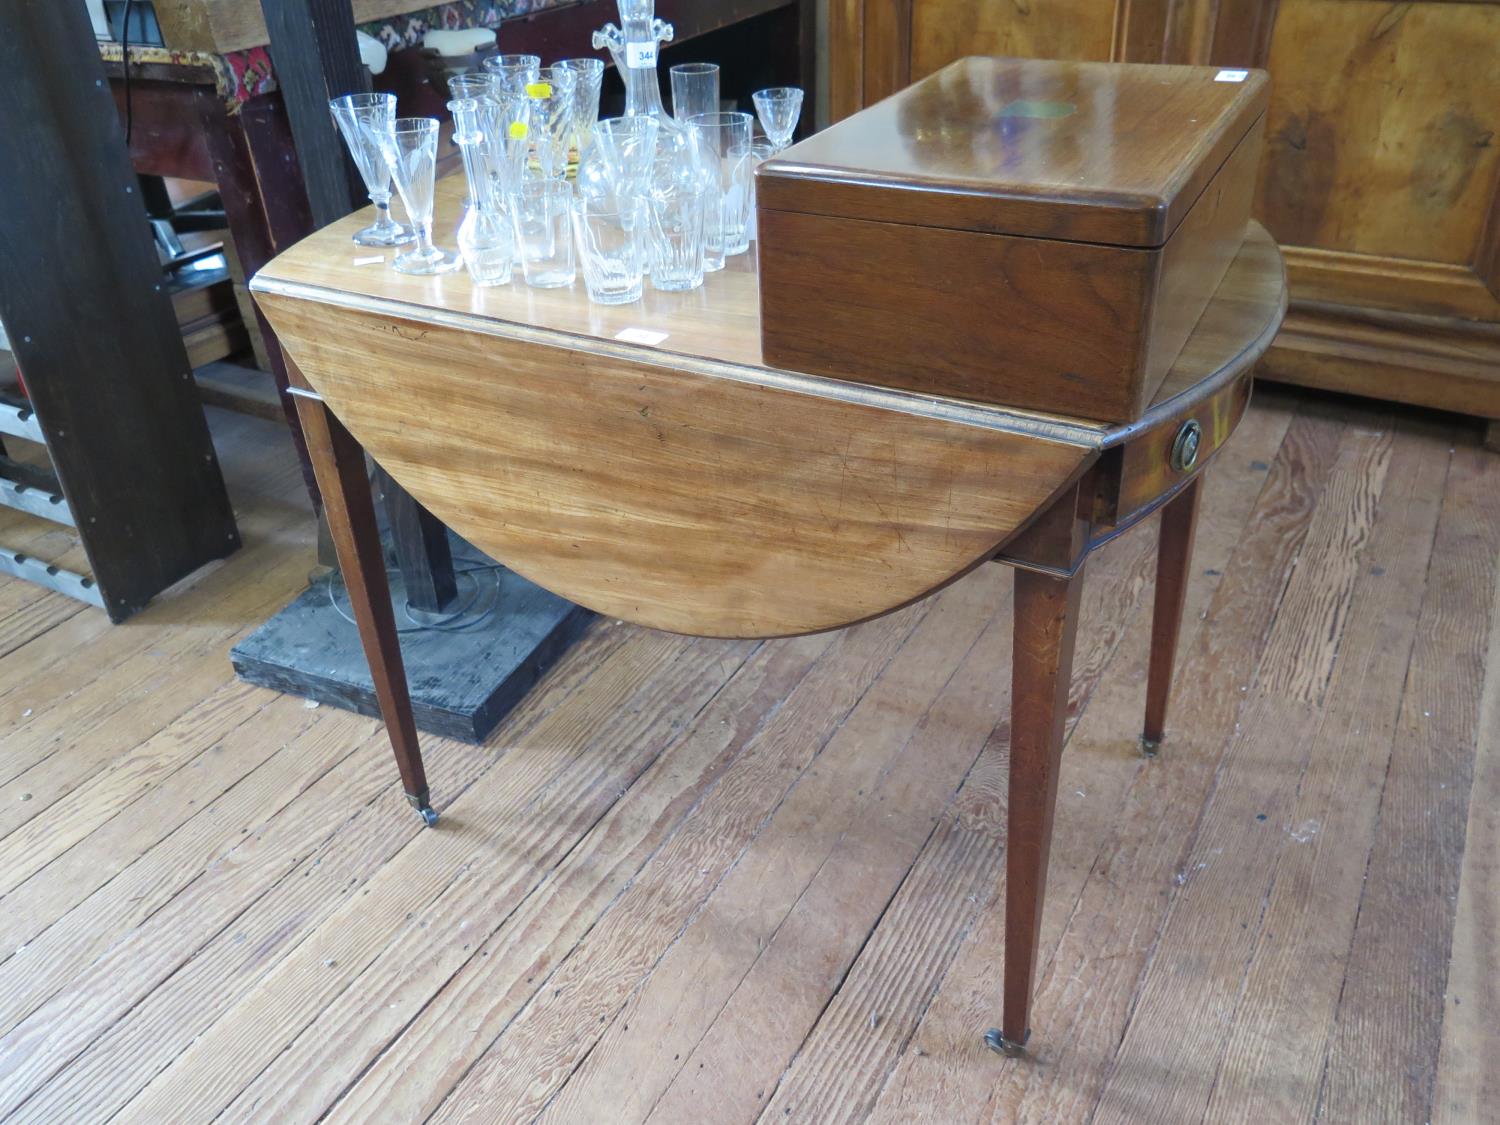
[1045,627]
[339,462]
[1174,555]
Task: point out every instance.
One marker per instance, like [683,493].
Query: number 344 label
[640,55]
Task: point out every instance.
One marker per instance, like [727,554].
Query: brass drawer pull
[1185,446]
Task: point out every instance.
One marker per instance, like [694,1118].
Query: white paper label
[1231,76]
[638,56]
[641,336]
[374,259]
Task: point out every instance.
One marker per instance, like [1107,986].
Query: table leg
[339,462]
[1045,626]
[1174,555]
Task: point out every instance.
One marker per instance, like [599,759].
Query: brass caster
[1003,1046]
[1149,746]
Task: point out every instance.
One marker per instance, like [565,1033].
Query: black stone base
[464,677]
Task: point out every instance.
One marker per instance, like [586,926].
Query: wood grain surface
[1021,322]
[685,485]
[667,498]
[1086,152]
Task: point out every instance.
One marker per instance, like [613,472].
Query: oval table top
[641,460]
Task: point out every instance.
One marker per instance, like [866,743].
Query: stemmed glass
[778,109]
[363,119]
[590,77]
[410,150]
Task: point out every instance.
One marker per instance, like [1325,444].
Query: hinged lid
[1111,153]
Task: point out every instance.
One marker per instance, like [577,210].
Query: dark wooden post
[90,321]
[317,58]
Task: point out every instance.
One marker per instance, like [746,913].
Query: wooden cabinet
[1381,176]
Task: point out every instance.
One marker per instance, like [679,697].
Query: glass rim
[610,124]
[414,125]
[694,68]
[721,118]
[361,100]
[512,60]
[778,92]
[580,206]
[583,63]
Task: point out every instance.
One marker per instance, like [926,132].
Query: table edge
[1081,434]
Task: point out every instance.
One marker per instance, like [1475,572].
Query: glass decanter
[633,45]
[486,238]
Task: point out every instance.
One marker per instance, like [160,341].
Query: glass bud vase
[487,243]
[486,238]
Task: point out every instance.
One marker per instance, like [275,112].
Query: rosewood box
[1028,233]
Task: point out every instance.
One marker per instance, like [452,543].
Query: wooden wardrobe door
[1381,181]
[1382,168]
[880,46]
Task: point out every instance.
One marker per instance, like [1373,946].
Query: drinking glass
[724,145]
[609,251]
[544,237]
[695,89]
[627,148]
[590,77]
[410,149]
[778,109]
[513,72]
[677,227]
[363,119]
[760,152]
[551,97]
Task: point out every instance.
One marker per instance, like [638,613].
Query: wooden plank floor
[702,881]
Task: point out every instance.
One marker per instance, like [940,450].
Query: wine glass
[363,119]
[410,150]
[778,109]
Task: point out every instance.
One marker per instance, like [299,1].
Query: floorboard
[703,881]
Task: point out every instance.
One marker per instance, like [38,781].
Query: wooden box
[1029,233]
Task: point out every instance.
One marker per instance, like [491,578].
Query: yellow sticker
[538,89]
[518,130]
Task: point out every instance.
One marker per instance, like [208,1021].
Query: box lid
[1111,153]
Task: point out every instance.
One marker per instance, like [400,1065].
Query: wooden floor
[705,881]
